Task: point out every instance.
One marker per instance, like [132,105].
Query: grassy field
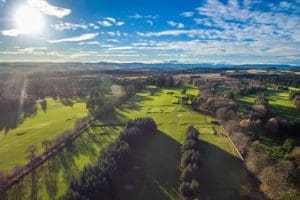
[155,172]
[57,119]
[156,168]
[279,103]
[54,175]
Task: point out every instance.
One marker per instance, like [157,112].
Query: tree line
[286,79]
[190,162]
[97,181]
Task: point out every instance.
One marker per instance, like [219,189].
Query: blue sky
[186,31]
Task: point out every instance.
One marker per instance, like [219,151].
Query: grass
[156,168]
[155,172]
[55,175]
[279,104]
[33,131]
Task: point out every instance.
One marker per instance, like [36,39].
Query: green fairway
[279,103]
[155,172]
[55,175]
[57,119]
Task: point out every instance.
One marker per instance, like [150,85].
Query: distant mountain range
[48,66]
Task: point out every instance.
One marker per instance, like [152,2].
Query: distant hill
[48,66]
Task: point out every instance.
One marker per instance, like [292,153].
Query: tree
[261,100]
[95,101]
[277,178]
[225,114]
[31,152]
[44,104]
[296,101]
[169,81]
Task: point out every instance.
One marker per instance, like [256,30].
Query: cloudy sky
[187,31]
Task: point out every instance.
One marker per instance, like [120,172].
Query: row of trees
[98,102]
[248,90]
[161,81]
[62,87]
[190,162]
[97,181]
[277,79]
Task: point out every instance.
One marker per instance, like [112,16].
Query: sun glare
[29,20]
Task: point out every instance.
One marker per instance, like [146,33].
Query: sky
[156,31]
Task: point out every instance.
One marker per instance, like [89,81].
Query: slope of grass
[155,172]
[279,104]
[33,131]
[55,175]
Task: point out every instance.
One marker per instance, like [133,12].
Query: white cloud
[180,25]
[175,24]
[107,45]
[11,32]
[109,21]
[113,40]
[189,33]
[120,48]
[90,43]
[82,37]
[94,26]
[139,16]
[49,9]
[187,14]
[61,26]
[114,33]
[105,23]
[149,22]
[120,23]
[32,49]
[204,21]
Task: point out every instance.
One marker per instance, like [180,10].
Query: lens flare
[29,20]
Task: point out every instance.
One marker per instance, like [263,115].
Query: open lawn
[55,175]
[155,171]
[47,125]
[279,103]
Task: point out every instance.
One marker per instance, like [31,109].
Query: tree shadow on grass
[134,103]
[84,146]
[224,176]
[154,171]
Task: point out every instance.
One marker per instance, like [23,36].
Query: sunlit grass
[279,104]
[33,131]
[159,158]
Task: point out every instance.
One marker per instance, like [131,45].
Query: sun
[29,20]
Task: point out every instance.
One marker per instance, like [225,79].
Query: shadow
[154,171]
[64,166]
[134,102]
[12,115]
[224,176]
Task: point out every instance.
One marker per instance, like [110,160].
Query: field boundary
[18,175]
